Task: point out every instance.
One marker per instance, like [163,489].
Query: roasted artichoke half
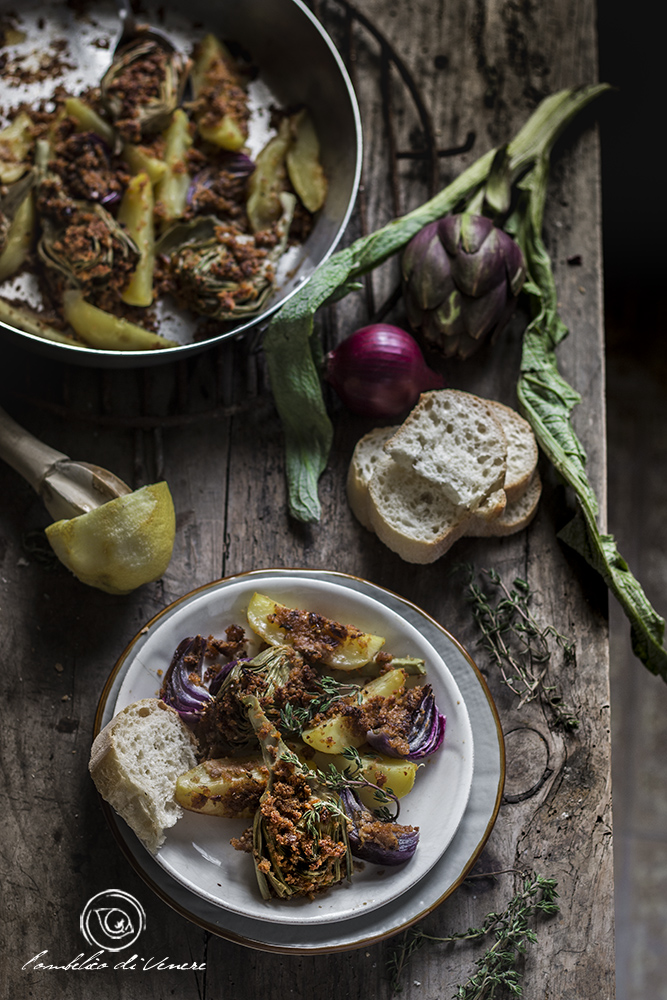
[217,270]
[143,86]
[300,838]
[88,248]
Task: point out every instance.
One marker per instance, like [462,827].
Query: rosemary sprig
[511,928]
[521,648]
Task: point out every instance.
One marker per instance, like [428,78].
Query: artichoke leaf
[225,726]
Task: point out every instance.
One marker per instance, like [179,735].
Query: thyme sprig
[296,718]
[521,648]
[497,966]
[317,814]
[350,777]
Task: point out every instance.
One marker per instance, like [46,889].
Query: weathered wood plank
[481,68]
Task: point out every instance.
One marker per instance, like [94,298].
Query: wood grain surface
[208,426]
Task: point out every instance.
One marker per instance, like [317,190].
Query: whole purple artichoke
[461,279]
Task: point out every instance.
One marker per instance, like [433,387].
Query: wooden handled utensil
[67,487]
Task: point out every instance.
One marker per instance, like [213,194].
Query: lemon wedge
[121,545]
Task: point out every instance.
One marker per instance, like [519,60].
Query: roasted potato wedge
[336,733]
[303,163]
[227,786]
[342,647]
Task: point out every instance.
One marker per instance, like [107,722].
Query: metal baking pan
[298,64]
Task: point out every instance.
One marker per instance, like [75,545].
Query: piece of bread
[516,516]
[362,466]
[135,761]
[412,516]
[367,453]
[492,507]
[521,449]
[454,440]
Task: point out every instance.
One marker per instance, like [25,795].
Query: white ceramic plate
[414,904]
[197,851]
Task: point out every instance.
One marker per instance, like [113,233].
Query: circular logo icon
[112,920]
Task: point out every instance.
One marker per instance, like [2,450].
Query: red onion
[178,688]
[365,833]
[426,734]
[379,371]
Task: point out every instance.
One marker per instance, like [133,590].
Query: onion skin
[379,371]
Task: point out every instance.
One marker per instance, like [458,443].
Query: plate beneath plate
[399,909]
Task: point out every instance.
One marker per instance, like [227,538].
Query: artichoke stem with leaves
[300,839]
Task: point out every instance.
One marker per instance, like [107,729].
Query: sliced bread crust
[522,451]
[135,761]
[516,516]
[367,453]
[453,439]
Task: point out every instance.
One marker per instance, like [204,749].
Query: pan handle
[25,453]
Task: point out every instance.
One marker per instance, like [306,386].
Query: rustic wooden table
[208,426]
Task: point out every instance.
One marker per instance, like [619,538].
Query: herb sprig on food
[296,718]
[497,967]
[350,777]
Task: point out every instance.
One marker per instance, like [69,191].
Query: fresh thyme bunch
[496,969]
[520,647]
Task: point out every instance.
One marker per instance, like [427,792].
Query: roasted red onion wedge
[371,839]
[181,689]
[426,734]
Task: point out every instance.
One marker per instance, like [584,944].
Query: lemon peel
[121,545]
